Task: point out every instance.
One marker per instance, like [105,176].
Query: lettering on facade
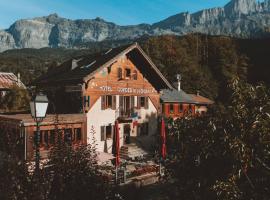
[128,90]
[106,88]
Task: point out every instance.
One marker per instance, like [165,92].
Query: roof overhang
[126,52]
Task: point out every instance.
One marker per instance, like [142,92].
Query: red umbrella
[117,144]
[163,139]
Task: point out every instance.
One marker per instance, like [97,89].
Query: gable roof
[175,96]
[83,68]
[7,80]
[200,99]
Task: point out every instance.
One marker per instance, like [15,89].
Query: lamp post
[38,106]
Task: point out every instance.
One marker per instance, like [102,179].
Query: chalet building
[21,129]
[120,84]
[201,103]
[177,103]
[9,80]
[90,93]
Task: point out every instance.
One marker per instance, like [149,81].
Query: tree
[224,155]
[17,99]
[75,173]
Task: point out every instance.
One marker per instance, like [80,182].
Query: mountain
[238,18]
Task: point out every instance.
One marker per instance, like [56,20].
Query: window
[135,75]
[52,137]
[109,132]
[119,73]
[78,134]
[180,108]
[108,101]
[127,73]
[171,108]
[46,137]
[40,137]
[190,108]
[68,135]
[142,102]
[106,132]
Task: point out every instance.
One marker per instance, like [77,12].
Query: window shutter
[167,109]
[113,102]
[138,102]
[132,102]
[102,132]
[86,101]
[119,73]
[146,103]
[103,102]
[113,131]
[121,102]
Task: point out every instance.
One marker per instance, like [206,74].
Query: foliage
[14,179]
[224,155]
[71,173]
[75,174]
[17,99]
[205,62]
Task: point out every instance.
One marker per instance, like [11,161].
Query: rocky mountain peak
[238,18]
[240,7]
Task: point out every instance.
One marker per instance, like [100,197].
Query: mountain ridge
[238,18]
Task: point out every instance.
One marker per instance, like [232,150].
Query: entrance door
[127,130]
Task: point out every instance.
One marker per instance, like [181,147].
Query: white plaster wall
[97,118]
[149,115]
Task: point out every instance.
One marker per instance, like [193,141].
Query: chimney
[19,79]
[198,92]
[179,78]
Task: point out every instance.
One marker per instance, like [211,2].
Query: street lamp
[38,106]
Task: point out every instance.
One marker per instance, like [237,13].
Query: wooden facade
[121,78]
[21,129]
[178,110]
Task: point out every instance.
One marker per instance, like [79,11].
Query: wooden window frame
[119,73]
[171,108]
[105,102]
[190,109]
[146,102]
[180,108]
[127,75]
[106,131]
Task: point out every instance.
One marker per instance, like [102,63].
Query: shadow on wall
[148,142]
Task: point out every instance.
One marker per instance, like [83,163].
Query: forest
[206,63]
[223,155]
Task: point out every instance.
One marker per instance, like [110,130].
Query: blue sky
[122,12]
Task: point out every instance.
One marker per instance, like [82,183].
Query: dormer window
[127,73]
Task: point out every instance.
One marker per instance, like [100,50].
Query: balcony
[127,114]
